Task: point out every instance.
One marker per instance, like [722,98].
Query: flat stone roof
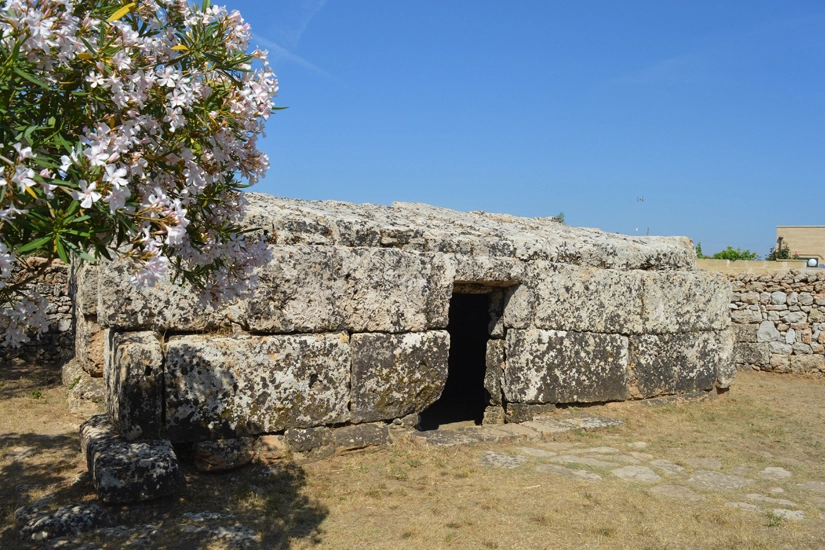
[424,228]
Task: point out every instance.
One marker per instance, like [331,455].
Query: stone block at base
[223,454]
[123,471]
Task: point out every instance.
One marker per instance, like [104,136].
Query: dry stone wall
[779,321]
[56,345]
[347,325]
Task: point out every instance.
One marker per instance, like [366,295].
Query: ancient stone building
[369,314]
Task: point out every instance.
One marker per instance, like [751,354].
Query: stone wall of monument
[56,345]
[779,321]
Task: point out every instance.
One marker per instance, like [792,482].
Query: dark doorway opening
[464,397]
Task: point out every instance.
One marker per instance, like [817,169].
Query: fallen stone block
[124,471]
[524,412]
[72,519]
[223,454]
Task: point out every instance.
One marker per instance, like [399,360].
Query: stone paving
[692,479]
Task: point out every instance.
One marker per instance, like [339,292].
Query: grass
[409,497]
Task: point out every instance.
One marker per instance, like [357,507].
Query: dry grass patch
[406,496]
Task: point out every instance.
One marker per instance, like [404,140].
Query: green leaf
[30,78]
[36,244]
[61,252]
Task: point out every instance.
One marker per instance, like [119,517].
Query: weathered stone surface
[798,363]
[248,385]
[89,338]
[413,226]
[668,467]
[745,316]
[492,458]
[547,427]
[494,371]
[780,501]
[636,473]
[564,367]
[726,367]
[394,375]
[587,461]
[767,332]
[673,363]
[595,300]
[675,491]
[524,412]
[539,453]
[686,301]
[775,473]
[360,436]
[441,438]
[310,443]
[134,383]
[590,423]
[270,448]
[712,463]
[815,486]
[793,515]
[124,471]
[223,454]
[745,333]
[312,289]
[752,354]
[165,306]
[70,519]
[493,415]
[708,479]
[583,475]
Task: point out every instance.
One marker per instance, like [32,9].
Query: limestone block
[223,454]
[780,348]
[778,298]
[686,301]
[726,369]
[751,354]
[586,299]
[524,412]
[123,471]
[271,448]
[493,271]
[225,387]
[89,338]
[360,436]
[165,306]
[85,277]
[548,366]
[321,289]
[767,333]
[674,363]
[745,316]
[806,363]
[806,299]
[134,384]
[749,297]
[310,443]
[394,375]
[517,309]
[495,370]
[745,333]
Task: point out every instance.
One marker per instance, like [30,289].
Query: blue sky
[714,112]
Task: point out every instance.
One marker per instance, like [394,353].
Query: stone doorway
[464,397]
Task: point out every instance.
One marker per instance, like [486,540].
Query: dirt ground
[407,496]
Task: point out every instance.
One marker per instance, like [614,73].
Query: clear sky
[713,112]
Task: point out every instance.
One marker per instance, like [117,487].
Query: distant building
[807,241]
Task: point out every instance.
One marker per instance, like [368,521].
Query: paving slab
[441,438]
[520,430]
[548,427]
[558,446]
[708,479]
[501,460]
[540,453]
[746,506]
[645,457]
[816,486]
[584,475]
[587,461]
[638,445]
[712,463]
[627,459]
[636,473]
[793,515]
[775,473]
[780,501]
[599,450]
[668,467]
[676,491]
[589,423]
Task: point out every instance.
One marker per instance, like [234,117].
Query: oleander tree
[127,132]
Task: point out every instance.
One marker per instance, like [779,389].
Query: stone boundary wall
[779,321]
[760,267]
[56,345]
